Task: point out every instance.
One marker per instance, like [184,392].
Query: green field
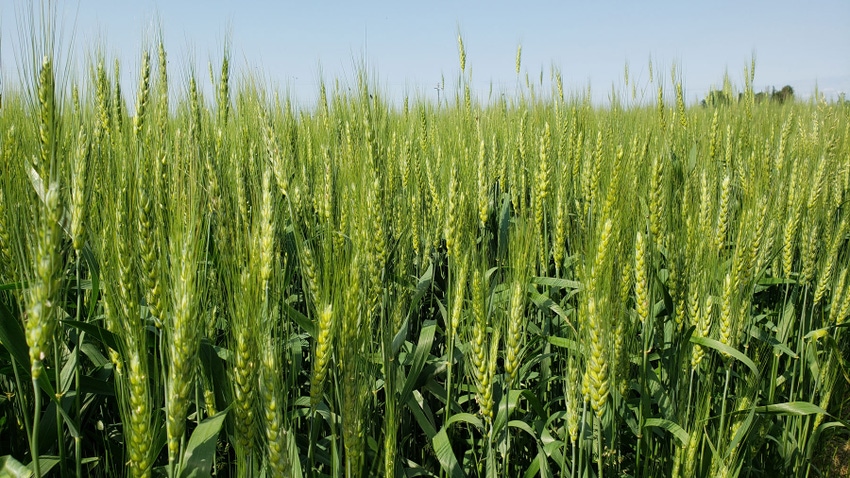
[531,286]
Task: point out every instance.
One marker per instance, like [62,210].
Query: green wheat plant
[228,282]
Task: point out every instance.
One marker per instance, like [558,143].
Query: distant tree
[783,95]
[757,98]
[716,98]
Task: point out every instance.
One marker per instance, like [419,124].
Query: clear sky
[410,46]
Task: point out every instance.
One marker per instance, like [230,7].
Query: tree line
[721,97]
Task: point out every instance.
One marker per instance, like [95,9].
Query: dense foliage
[533,286]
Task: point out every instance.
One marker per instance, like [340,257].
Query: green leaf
[810,450]
[44,384]
[94,269]
[9,466]
[771,281]
[791,408]
[674,428]
[504,225]
[45,464]
[540,466]
[743,429]
[545,303]
[770,340]
[91,351]
[521,425]
[12,337]
[532,470]
[299,319]
[106,337]
[506,407]
[399,338]
[99,387]
[445,454]
[67,376]
[14,286]
[467,418]
[294,458]
[563,343]
[817,333]
[420,355]
[213,366]
[424,419]
[422,286]
[725,349]
[199,456]
[555,282]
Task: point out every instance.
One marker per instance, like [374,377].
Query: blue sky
[409,46]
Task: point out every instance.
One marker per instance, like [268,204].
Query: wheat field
[537,285]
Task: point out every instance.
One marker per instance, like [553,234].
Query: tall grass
[529,286]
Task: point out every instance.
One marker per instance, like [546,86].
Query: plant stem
[36,420]
[598,426]
[722,429]
[22,398]
[78,440]
[60,434]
